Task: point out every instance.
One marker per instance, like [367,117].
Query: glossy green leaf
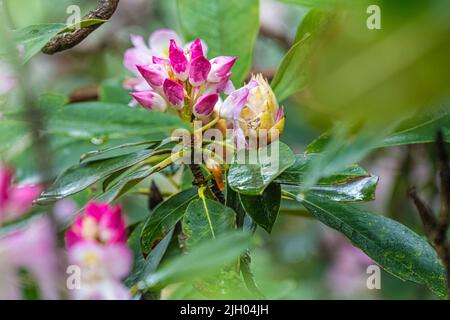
[352,190]
[127,146]
[392,245]
[295,174]
[263,208]
[206,219]
[291,76]
[85,174]
[125,183]
[101,122]
[34,38]
[164,217]
[229,28]
[252,177]
[420,129]
[203,260]
[143,266]
[344,148]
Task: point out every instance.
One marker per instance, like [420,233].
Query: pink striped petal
[196,49]
[220,68]
[198,71]
[150,100]
[174,93]
[205,105]
[160,61]
[232,106]
[154,74]
[178,61]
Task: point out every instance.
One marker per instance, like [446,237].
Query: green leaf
[125,183]
[295,174]
[103,122]
[291,76]
[95,153]
[264,208]
[206,219]
[33,38]
[344,147]
[85,174]
[352,183]
[205,259]
[421,128]
[392,245]
[229,27]
[353,190]
[164,217]
[142,266]
[253,177]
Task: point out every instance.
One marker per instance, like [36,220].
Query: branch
[444,174]
[105,9]
[426,215]
[88,93]
[436,229]
[279,37]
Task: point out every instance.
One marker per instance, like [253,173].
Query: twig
[279,37]
[444,174]
[89,93]
[248,276]
[105,9]
[436,228]
[155,196]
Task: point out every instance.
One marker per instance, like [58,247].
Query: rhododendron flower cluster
[181,77]
[96,242]
[168,73]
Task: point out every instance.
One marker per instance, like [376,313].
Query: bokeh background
[301,259]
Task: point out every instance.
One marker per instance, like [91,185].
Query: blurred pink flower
[102,268]
[7,78]
[15,200]
[96,243]
[101,222]
[347,275]
[31,248]
[65,210]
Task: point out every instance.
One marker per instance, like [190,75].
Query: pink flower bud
[205,105]
[198,71]
[232,106]
[196,49]
[150,100]
[220,68]
[178,61]
[174,93]
[154,74]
